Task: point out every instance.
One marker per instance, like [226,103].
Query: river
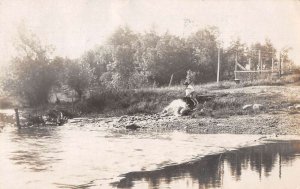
[92,156]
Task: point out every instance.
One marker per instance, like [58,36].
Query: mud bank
[264,124]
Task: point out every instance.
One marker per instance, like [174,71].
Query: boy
[190,93]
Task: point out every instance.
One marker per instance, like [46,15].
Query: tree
[98,59]
[32,73]
[123,36]
[145,56]
[79,77]
[203,46]
[287,63]
[122,45]
[169,57]
[267,53]
[236,51]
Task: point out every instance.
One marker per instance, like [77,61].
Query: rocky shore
[281,123]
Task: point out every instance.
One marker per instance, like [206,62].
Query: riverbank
[262,124]
[230,110]
[279,114]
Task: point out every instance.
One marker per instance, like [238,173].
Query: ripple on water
[88,157]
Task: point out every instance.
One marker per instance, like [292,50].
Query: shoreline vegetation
[127,76]
[230,111]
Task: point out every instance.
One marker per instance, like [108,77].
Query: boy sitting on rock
[190,93]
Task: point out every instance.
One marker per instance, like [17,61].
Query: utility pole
[280,64]
[272,65]
[249,62]
[235,67]
[259,61]
[218,74]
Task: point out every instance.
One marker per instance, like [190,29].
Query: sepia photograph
[149,94]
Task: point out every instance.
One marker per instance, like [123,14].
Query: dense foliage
[130,60]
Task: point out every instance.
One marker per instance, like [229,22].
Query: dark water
[272,165]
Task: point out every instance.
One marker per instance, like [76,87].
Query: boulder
[257,107]
[132,127]
[176,107]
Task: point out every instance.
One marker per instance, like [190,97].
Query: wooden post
[17,117]
[171,79]
[218,74]
[73,95]
[154,84]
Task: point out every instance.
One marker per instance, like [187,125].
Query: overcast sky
[74,26]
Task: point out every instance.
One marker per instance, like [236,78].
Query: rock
[184,111]
[247,107]
[74,121]
[132,127]
[176,107]
[107,121]
[297,106]
[257,107]
[122,118]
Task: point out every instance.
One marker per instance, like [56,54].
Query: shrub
[5,103]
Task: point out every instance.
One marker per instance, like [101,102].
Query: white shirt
[190,89]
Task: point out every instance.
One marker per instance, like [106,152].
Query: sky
[75,26]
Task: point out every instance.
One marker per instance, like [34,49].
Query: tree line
[129,60]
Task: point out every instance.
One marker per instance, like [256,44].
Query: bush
[32,74]
[126,101]
[5,103]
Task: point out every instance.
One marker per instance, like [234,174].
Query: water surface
[91,156]
[273,165]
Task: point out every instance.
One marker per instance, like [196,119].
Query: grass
[153,100]
[285,79]
[139,101]
[142,101]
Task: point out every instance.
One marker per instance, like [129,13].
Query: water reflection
[72,156]
[35,148]
[5,119]
[209,172]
